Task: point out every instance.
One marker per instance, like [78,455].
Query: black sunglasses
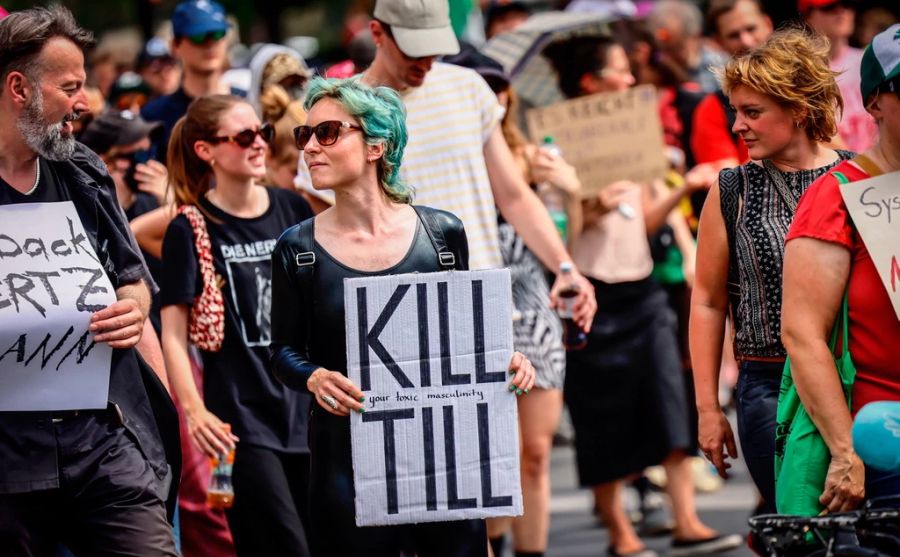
[203,37]
[246,138]
[326,133]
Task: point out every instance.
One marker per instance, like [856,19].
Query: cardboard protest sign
[607,137]
[50,284]
[439,437]
[874,205]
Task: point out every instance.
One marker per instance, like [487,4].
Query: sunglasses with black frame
[245,138]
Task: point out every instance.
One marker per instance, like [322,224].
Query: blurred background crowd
[153,58]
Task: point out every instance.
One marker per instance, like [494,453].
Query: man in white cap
[456,158]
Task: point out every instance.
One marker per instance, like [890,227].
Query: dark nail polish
[512,388]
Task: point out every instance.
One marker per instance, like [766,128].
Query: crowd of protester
[692,289]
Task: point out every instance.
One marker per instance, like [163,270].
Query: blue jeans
[757,406]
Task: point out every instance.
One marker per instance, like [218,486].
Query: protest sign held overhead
[874,205]
[50,284]
[607,137]
[438,439]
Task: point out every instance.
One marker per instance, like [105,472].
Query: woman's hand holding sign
[335,392]
[523,380]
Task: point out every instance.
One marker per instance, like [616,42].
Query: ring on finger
[329,400]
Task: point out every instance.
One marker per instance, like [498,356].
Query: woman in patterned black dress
[786,99]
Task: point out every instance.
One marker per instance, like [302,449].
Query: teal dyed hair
[381,115]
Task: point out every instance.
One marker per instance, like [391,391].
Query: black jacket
[26,441]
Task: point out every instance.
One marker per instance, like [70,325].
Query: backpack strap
[306,262]
[306,258]
[446,258]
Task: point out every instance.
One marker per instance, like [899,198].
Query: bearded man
[93,479]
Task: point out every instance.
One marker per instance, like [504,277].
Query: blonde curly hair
[792,67]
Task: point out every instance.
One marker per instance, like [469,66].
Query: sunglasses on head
[326,133]
[203,37]
[246,138]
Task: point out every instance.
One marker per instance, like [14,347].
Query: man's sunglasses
[326,133]
[246,138]
[203,37]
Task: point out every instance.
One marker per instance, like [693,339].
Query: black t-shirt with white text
[238,386]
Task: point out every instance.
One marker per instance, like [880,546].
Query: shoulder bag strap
[868,165]
[202,243]
[446,258]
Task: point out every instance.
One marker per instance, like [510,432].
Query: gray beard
[46,140]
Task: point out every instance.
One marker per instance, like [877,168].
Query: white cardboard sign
[50,284]
[439,437]
[874,205]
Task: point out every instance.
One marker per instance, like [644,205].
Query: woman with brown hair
[787,102]
[216,262]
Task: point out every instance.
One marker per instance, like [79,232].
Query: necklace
[37,176]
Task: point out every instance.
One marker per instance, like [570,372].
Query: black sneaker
[708,546]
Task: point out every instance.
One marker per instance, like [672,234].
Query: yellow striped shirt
[449,118]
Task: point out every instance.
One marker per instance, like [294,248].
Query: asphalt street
[575,533]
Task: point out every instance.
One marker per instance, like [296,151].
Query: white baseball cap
[419,27]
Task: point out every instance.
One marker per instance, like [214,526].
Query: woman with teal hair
[353,143]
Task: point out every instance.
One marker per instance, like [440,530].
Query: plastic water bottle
[574,337]
[220,494]
[553,199]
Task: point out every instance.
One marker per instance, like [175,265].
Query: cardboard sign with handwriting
[607,137]
[874,205]
[50,284]
[439,437]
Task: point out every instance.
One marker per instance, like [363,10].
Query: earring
[212,162]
